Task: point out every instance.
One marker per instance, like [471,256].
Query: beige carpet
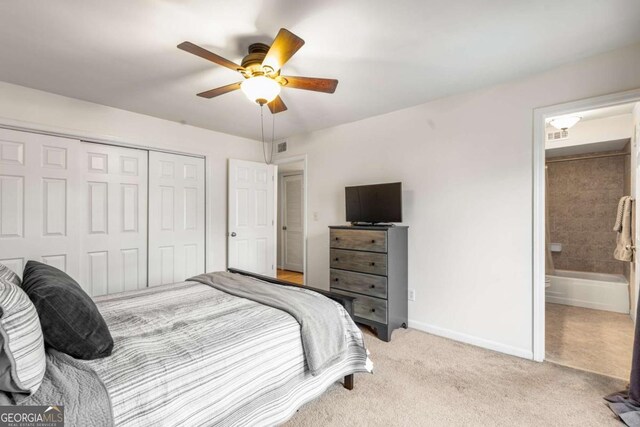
[594,340]
[424,380]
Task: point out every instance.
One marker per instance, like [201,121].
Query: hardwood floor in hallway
[291,276]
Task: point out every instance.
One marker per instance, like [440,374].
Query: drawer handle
[337,238]
[372,286]
[373,310]
[336,279]
[336,259]
[373,241]
[372,264]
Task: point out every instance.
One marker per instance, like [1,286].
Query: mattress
[189,354]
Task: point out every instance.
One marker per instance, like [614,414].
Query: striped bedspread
[188,354]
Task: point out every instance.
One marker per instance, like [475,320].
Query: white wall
[21,106]
[466,166]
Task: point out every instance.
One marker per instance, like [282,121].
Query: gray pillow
[71,322]
[22,355]
[8,276]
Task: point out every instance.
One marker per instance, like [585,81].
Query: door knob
[233,234]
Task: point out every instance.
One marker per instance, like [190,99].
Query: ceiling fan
[261,70]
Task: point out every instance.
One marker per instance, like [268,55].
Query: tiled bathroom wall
[583,200]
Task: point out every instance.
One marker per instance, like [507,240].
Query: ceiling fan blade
[204,53]
[282,49]
[311,83]
[277,106]
[220,90]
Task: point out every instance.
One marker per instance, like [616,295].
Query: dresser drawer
[370,308]
[365,262]
[367,284]
[361,240]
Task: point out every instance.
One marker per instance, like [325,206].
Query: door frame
[305,169]
[281,211]
[538,229]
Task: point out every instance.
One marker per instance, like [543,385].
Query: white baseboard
[470,339]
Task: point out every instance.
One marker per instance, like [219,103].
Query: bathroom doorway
[589,165]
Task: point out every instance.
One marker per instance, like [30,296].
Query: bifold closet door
[176,217]
[38,210]
[113,224]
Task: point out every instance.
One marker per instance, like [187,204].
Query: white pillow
[22,355]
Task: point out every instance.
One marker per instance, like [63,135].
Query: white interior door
[292,222]
[113,200]
[176,217]
[38,201]
[252,232]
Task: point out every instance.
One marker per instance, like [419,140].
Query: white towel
[624,239]
[618,225]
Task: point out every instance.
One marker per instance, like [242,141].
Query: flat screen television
[374,203]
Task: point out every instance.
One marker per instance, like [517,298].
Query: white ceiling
[387,55]
[601,113]
[291,167]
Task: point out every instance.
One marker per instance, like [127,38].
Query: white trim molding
[470,339]
[538,230]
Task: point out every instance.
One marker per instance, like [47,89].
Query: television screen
[374,203]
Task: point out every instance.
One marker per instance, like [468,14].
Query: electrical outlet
[412,295]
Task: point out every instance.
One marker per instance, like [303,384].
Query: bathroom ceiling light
[564,122]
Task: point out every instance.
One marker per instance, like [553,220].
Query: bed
[191,354]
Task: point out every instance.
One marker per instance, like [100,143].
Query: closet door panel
[114,224]
[176,223]
[38,201]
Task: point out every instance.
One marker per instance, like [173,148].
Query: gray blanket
[71,383]
[322,331]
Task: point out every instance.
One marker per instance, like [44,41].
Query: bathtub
[600,291]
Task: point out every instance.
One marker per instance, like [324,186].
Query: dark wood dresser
[369,263]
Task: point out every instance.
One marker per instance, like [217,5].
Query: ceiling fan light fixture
[261,69]
[260,89]
[564,122]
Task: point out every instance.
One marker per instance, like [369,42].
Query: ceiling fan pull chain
[273,133]
[264,153]
[262,133]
